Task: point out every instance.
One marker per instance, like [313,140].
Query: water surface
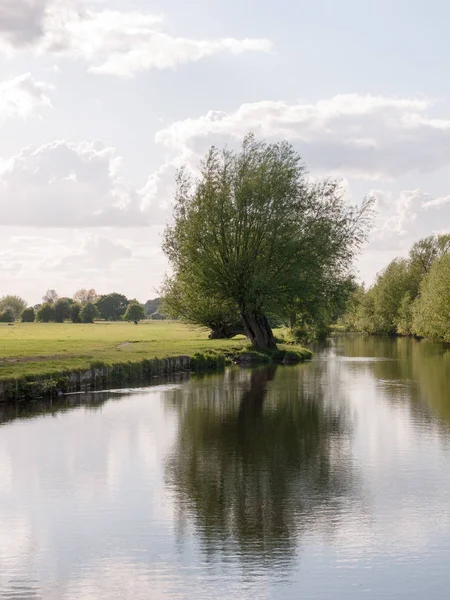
[325,480]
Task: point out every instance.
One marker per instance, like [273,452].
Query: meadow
[35,349]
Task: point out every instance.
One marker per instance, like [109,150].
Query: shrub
[46,313]
[75,310]
[89,312]
[158,317]
[7,316]
[28,315]
[135,312]
[62,310]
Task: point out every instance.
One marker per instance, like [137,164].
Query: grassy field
[48,348]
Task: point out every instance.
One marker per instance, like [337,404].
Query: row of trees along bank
[410,297]
[255,241]
[84,307]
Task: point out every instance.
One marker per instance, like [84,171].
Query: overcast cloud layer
[87,162]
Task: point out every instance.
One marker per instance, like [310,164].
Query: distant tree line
[84,307]
[410,297]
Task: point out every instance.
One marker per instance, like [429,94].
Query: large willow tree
[253,228]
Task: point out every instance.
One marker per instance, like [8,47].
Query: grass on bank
[39,349]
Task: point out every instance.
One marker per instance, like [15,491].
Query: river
[326,480]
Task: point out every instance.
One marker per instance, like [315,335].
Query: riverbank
[39,360]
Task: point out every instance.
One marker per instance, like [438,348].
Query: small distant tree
[46,313]
[75,310]
[152,306]
[135,312]
[112,307]
[88,313]
[7,316]
[50,297]
[15,304]
[158,317]
[84,296]
[62,310]
[28,315]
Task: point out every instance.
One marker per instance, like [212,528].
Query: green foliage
[158,317]
[405,315]
[62,310]
[431,313]
[112,307]
[7,316]
[135,312]
[203,361]
[15,304]
[254,230]
[89,313]
[46,313]
[152,306]
[351,319]
[182,299]
[392,285]
[28,315]
[405,296]
[75,310]
[326,300]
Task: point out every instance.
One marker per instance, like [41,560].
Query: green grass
[28,349]
[47,349]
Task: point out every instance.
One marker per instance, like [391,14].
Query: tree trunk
[258,329]
[225,333]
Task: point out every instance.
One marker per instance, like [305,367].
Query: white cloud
[66,185]
[22,97]
[402,220]
[95,254]
[443,200]
[109,259]
[405,218]
[351,135]
[111,42]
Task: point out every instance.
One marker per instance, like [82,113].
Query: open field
[28,349]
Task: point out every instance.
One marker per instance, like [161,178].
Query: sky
[101,101]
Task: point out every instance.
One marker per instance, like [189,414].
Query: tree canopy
[14,304]
[88,313]
[46,313]
[253,231]
[62,309]
[28,315]
[409,296]
[112,307]
[431,312]
[183,300]
[152,306]
[135,312]
[7,316]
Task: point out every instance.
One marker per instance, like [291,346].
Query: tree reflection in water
[259,460]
